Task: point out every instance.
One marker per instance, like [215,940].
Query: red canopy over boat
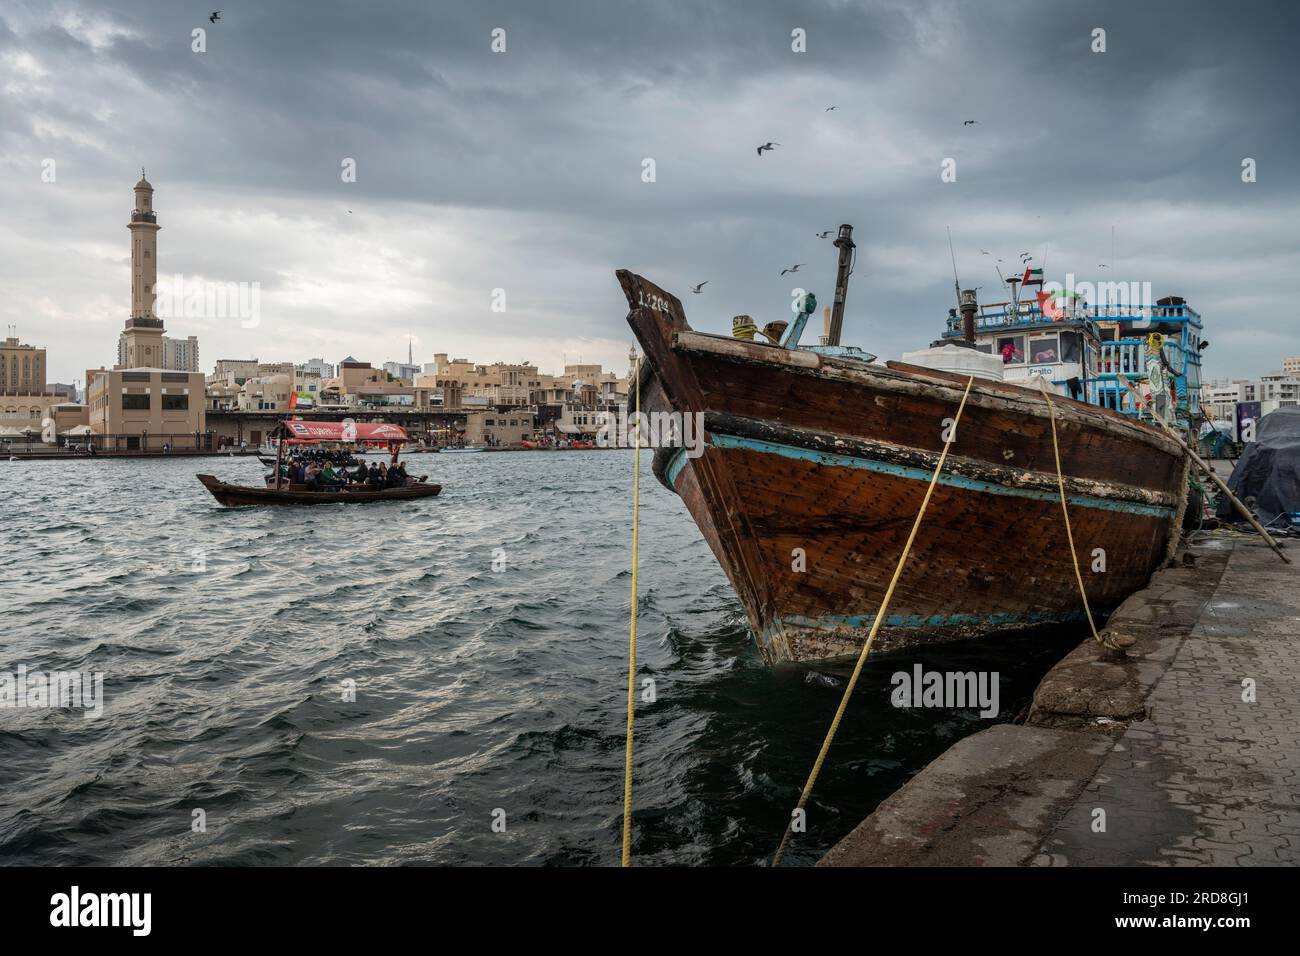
[345,431]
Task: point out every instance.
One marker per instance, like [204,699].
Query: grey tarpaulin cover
[1269,468]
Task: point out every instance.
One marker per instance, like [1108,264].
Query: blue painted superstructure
[1082,349]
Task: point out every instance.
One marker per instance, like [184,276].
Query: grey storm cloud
[530,162]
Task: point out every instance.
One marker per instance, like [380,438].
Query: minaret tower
[144,331]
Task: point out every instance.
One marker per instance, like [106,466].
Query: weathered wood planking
[832,458]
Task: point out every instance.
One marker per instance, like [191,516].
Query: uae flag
[1033,276]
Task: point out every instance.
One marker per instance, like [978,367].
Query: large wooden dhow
[815,463]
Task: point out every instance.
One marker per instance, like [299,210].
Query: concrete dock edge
[1154,756]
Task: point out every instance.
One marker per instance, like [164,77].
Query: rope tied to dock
[875,628]
[631,646]
[1105,642]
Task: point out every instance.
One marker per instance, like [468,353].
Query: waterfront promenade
[1183,752]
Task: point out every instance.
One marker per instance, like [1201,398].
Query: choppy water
[477,690]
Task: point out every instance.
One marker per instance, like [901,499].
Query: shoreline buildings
[155,398]
[1232,404]
[1271,391]
[27,400]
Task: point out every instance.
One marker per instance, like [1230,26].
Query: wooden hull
[813,469]
[238,496]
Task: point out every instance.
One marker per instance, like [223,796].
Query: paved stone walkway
[1209,778]
[1159,745]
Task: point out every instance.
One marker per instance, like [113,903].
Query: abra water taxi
[278,490]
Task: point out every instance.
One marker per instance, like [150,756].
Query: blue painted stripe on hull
[675,466]
[916,474]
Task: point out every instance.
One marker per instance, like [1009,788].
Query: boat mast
[956,283]
[279,455]
[844,243]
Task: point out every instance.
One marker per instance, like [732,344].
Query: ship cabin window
[1012,349]
[1071,347]
[985,347]
[1044,350]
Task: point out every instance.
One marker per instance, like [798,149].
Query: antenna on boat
[843,242]
[956,283]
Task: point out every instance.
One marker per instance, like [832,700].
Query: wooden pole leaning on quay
[1236,503]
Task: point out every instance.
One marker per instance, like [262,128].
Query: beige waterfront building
[499,429]
[501,383]
[352,374]
[26,401]
[233,371]
[143,408]
[265,393]
[22,367]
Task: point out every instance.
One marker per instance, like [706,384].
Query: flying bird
[985,252]
[216,15]
[971,123]
[826,234]
[1102,265]
[793,268]
[829,108]
[699,288]
[767,146]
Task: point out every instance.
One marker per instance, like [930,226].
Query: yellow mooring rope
[1069,535]
[631,644]
[875,627]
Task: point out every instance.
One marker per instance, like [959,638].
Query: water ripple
[484,636]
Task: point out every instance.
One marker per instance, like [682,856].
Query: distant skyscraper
[398,370]
[179,355]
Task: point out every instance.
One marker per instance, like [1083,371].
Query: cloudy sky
[522,170]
